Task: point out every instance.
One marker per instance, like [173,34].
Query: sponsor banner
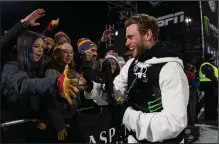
[94,125]
[174,18]
[210,23]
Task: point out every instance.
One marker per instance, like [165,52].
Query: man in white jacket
[154,83]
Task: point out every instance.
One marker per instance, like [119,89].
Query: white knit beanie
[110,56]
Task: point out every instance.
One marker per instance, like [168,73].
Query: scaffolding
[109,42]
[202,30]
[125,10]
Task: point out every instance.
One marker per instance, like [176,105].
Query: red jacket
[190,75]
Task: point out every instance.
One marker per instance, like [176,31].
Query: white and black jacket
[173,84]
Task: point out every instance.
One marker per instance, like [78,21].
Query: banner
[88,125]
[210,23]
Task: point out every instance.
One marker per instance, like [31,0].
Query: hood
[104,64]
[160,53]
[159,50]
[155,60]
[110,57]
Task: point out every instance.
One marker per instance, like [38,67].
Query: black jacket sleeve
[88,72]
[209,73]
[9,39]
[101,49]
[47,32]
[19,80]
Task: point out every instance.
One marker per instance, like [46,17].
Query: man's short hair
[144,23]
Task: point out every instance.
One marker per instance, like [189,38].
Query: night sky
[86,19]
[77,19]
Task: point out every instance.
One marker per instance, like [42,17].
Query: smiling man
[156,86]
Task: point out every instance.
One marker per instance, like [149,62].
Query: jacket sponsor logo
[175,18]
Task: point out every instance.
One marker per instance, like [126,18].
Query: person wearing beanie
[87,49]
[48,43]
[60,37]
[115,69]
[101,107]
[121,61]
[89,65]
[114,64]
[112,51]
[85,44]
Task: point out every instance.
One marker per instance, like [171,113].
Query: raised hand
[34,16]
[106,34]
[53,24]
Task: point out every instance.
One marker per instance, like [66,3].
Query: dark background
[186,38]
[77,19]
[88,19]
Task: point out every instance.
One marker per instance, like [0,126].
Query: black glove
[89,84]
[74,106]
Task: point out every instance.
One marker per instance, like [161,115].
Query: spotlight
[116,33]
[188,20]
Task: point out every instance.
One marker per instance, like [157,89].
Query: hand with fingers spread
[33,17]
[62,134]
[69,86]
[53,24]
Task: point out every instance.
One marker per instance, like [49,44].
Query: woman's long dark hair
[24,48]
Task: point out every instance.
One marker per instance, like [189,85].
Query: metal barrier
[15,122]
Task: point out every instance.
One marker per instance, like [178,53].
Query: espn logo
[176,18]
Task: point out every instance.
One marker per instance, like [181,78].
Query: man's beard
[93,64]
[141,49]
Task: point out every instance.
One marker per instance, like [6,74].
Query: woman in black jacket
[26,89]
[9,39]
